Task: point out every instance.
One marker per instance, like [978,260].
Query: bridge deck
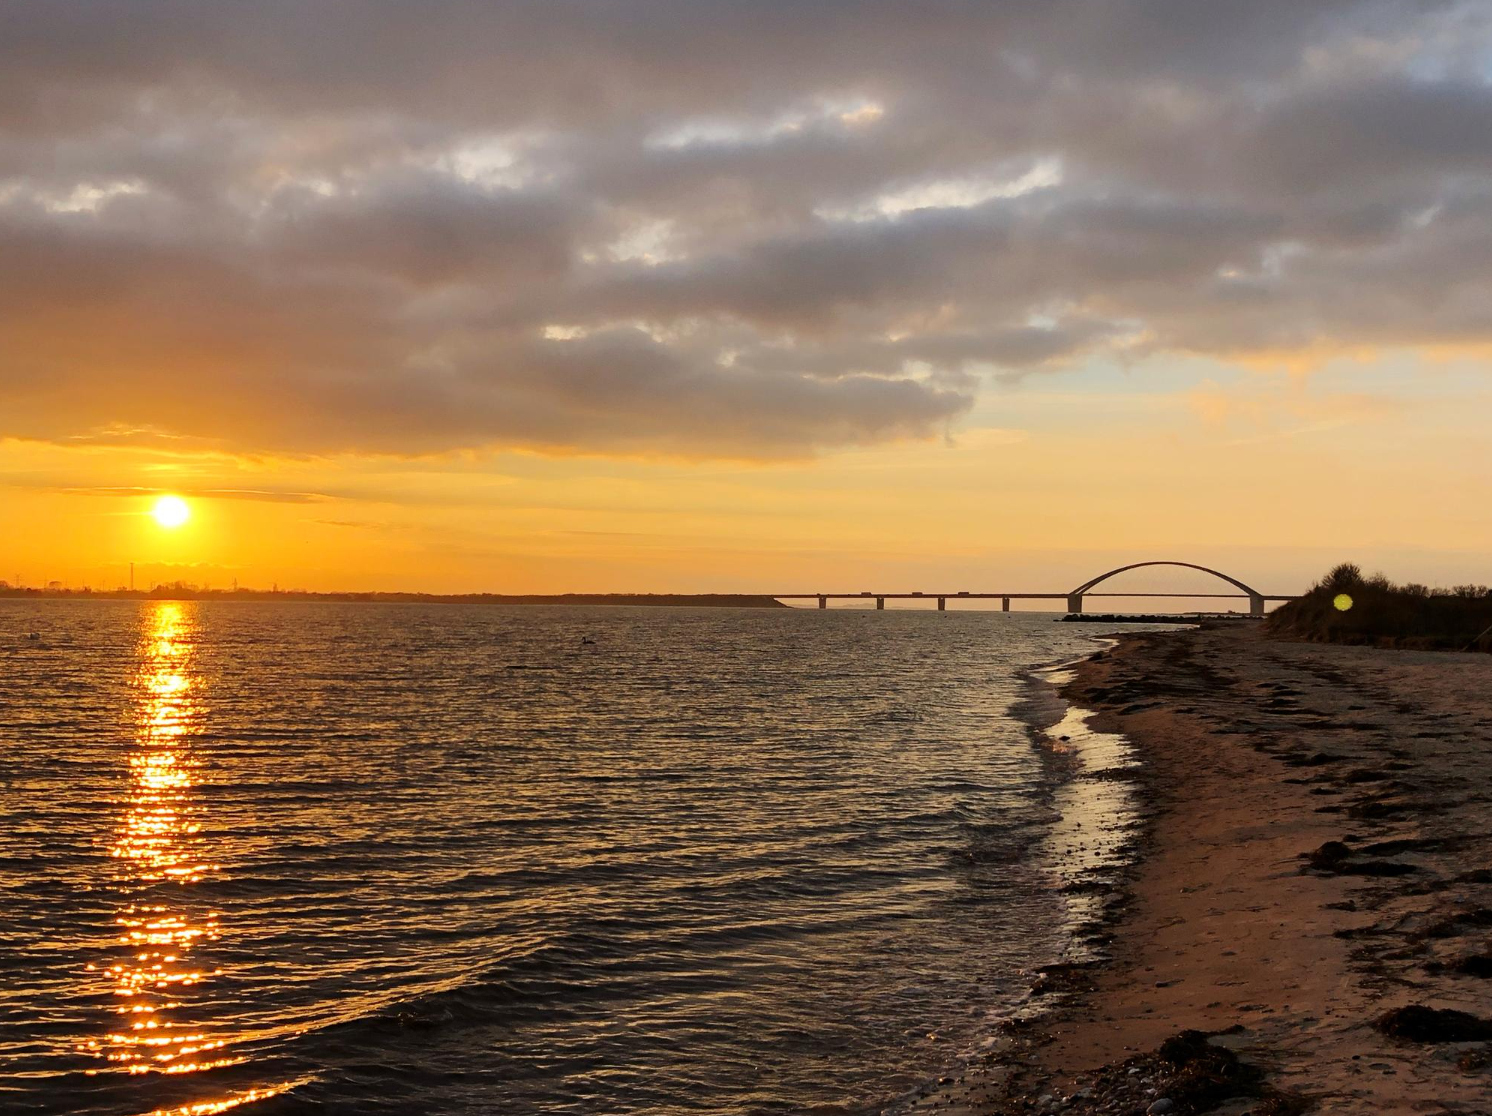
[998,596]
[1073,597]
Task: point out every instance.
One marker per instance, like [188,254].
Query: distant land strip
[187,593]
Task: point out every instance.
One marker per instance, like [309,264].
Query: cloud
[61,484]
[703,228]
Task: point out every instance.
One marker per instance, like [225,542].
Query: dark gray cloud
[706,228]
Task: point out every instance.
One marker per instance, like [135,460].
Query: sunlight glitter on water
[159,842]
[520,860]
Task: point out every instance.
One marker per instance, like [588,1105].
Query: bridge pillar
[942,604]
[880,602]
[823,602]
[1004,604]
[1256,605]
[1075,602]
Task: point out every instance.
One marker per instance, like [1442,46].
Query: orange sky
[1271,479]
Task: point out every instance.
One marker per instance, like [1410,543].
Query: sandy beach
[1313,872]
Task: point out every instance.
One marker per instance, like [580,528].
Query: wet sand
[1255,755]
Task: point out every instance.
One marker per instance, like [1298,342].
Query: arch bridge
[1074,597]
[1256,599]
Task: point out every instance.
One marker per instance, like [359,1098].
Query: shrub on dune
[1347,607]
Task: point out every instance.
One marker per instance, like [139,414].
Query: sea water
[291,857]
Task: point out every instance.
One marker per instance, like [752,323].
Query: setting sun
[171,512]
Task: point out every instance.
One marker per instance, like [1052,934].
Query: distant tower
[132,577]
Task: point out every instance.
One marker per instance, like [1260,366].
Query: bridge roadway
[1074,598]
[1074,601]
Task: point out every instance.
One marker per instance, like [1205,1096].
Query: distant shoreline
[173,593]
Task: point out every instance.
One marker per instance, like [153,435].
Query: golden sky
[1270,479]
[704,297]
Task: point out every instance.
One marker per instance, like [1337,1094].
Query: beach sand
[1256,753]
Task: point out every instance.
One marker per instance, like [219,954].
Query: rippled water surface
[438,859]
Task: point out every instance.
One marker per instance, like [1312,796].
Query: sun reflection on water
[160,845]
[207,1108]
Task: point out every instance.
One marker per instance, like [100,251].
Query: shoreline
[1098,828]
[1314,861]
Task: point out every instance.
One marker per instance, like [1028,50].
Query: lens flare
[1342,601]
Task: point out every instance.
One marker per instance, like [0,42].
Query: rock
[1328,857]
[1159,1107]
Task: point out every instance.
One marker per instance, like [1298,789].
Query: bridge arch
[1256,599]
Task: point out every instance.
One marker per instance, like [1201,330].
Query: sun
[171,512]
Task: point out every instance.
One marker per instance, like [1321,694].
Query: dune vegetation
[1347,607]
